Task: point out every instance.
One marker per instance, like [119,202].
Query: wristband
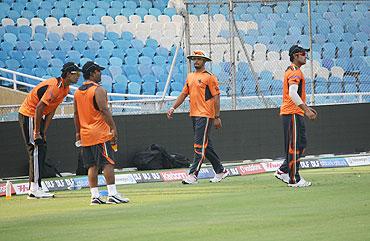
[217,116]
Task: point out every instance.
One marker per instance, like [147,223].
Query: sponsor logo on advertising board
[146,177]
[58,185]
[271,166]
[251,169]
[358,161]
[168,176]
[310,164]
[334,162]
[124,179]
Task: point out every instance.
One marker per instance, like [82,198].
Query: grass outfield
[258,207]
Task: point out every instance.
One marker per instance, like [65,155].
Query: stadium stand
[135,40]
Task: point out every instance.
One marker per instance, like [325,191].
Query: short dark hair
[86,75]
[64,74]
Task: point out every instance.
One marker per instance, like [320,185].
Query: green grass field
[258,207]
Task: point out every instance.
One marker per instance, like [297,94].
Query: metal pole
[171,69]
[187,35]
[14,81]
[312,99]
[232,55]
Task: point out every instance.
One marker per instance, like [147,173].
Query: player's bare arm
[180,99]
[76,121]
[101,101]
[217,121]
[38,115]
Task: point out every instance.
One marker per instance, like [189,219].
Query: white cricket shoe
[190,179]
[284,177]
[219,176]
[301,183]
[117,199]
[39,193]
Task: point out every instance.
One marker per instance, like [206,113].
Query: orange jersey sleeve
[295,77]
[185,90]
[213,85]
[50,95]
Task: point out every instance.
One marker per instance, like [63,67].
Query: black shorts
[98,155]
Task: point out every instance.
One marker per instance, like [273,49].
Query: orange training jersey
[201,87]
[293,75]
[93,128]
[51,92]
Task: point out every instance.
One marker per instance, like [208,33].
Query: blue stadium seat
[107,45]
[102,62]
[175,86]
[115,71]
[121,85]
[102,53]
[42,63]
[69,37]
[56,63]
[148,52]
[104,5]
[52,71]
[145,69]
[123,44]
[161,86]
[169,12]
[10,38]
[114,61]
[53,37]
[30,54]
[74,55]
[51,45]
[22,45]
[134,88]
[137,44]
[65,45]
[345,63]
[89,54]
[155,12]
[162,51]
[71,13]
[93,45]
[148,88]
[149,78]
[350,87]
[28,63]
[127,36]
[16,54]
[141,12]
[36,45]
[131,60]
[118,53]
[158,71]
[130,70]
[112,36]
[145,60]
[79,45]
[98,36]
[132,52]
[127,12]
[130,4]
[159,60]
[343,49]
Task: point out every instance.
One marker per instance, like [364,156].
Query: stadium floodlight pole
[171,69]
[232,54]
[312,99]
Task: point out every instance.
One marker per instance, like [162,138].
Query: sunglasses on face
[302,54]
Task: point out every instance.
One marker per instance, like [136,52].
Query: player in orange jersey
[35,115]
[293,110]
[96,132]
[202,88]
